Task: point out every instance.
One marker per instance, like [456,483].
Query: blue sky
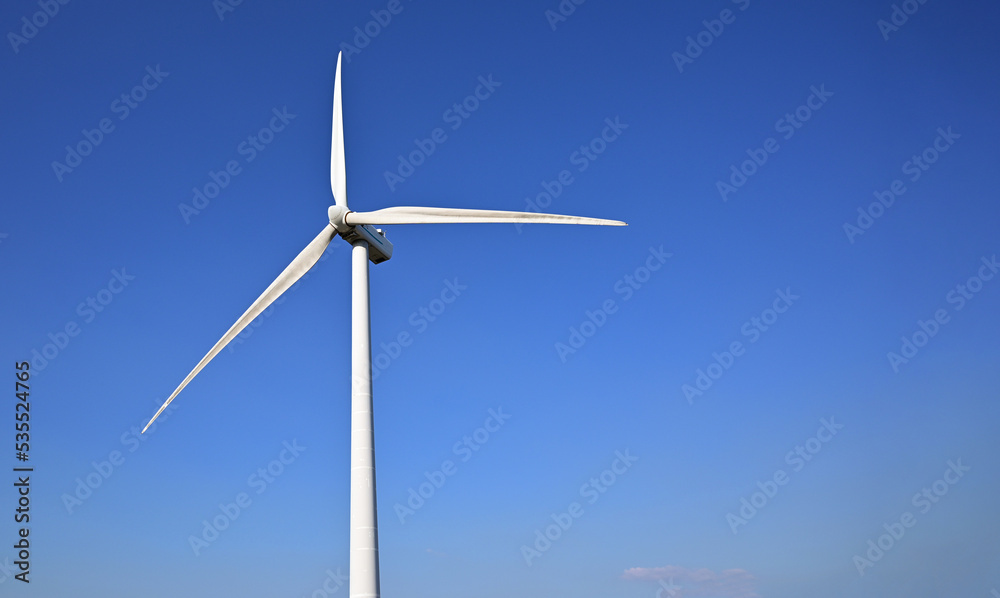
[772,383]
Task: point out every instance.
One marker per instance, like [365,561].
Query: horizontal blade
[338,172]
[413,215]
[295,270]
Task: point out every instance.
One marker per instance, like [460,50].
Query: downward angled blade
[338,173]
[295,270]
[413,215]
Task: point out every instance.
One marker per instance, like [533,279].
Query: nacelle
[379,248]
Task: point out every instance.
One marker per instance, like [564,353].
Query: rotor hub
[338,216]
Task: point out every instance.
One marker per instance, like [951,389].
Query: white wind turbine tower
[368,243]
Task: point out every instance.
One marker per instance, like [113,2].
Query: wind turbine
[368,243]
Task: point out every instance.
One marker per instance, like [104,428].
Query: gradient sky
[833,106]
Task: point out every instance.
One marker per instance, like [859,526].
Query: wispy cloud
[686,583]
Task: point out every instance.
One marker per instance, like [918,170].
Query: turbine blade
[415,215]
[338,172]
[295,270]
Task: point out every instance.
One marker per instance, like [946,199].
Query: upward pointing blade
[302,263]
[414,215]
[338,173]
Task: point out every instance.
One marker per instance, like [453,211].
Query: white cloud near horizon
[686,583]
